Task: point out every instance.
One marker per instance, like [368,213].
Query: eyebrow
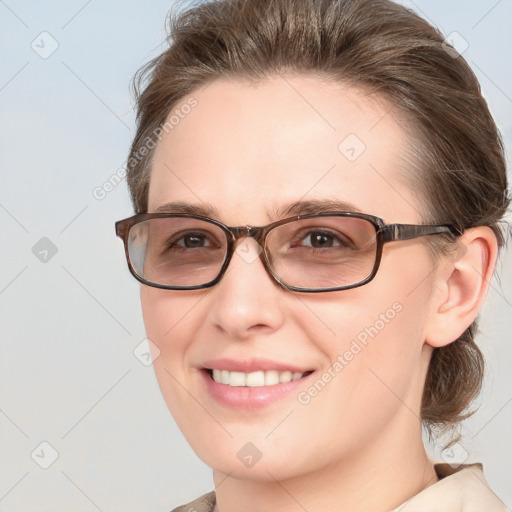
[288,209]
[204,209]
[315,206]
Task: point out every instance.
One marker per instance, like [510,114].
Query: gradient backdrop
[70,316]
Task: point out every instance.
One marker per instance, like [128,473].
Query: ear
[465,280]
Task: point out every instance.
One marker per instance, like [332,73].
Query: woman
[318,186]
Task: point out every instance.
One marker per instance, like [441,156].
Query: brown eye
[193,240]
[322,239]
[319,240]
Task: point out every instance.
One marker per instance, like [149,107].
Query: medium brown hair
[456,151]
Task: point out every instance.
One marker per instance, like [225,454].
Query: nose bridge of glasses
[257,233]
[249,232]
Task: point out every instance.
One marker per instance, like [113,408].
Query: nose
[247,301]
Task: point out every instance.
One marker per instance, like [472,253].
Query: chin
[258,461]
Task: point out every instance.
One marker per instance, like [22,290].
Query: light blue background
[68,375]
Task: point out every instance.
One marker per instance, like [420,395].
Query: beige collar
[462,489]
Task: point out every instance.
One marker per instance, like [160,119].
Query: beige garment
[459,490]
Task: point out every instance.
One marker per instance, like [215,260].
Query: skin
[246,150]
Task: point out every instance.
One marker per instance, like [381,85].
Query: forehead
[247,148]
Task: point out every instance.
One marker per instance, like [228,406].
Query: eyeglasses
[319,252]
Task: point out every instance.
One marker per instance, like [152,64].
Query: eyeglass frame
[384,233]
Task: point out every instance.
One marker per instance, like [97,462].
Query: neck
[378,478]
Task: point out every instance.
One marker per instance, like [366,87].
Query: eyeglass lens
[314,253]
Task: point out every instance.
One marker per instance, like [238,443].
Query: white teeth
[237,378]
[271,377]
[285,377]
[254,379]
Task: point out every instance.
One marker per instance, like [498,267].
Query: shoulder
[205,503]
[463,489]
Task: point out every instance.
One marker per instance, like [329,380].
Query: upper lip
[251,365]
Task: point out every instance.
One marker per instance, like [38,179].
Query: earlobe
[465,286]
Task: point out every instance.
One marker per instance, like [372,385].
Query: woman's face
[245,152]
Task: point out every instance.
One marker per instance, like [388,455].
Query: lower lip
[244,397]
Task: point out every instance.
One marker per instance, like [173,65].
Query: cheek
[373,338]
[169,322]
[158,318]
[169,317]
[372,372]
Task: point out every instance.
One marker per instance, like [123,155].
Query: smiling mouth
[255,379]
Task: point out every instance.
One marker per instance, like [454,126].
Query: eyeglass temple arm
[409,231]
